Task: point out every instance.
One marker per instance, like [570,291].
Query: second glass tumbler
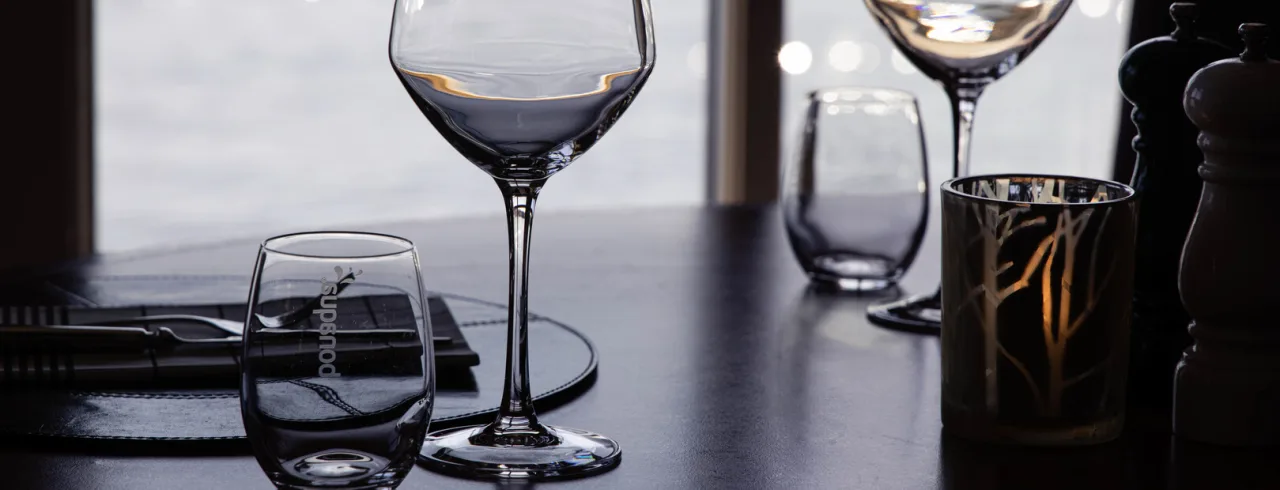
[857,196]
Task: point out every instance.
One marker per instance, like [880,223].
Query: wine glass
[964,46]
[337,383]
[857,195]
[521,89]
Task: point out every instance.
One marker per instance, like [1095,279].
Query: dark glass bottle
[1153,76]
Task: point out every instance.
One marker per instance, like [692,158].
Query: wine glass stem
[516,418]
[964,101]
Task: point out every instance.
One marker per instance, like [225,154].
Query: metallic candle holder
[1037,281]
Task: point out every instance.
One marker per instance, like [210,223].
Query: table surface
[719,369]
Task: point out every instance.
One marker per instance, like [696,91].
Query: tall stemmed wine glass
[964,46]
[521,89]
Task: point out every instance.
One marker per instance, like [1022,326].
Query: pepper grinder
[1153,76]
[1227,387]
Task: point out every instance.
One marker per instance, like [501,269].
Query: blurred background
[226,119]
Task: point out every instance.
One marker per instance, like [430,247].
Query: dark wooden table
[719,369]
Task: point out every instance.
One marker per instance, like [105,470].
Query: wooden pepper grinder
[1227,387]
[1153,76]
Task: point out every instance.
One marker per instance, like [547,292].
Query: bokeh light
[845,56]
[1094,8]
[795,57]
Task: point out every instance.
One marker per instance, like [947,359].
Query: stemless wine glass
[337,382]
[964,46]
[857,196]
[521,89]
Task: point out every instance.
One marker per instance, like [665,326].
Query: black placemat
[563,366]
[43,362]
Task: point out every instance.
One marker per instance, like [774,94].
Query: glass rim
[897,96]
[273,244]
[949,188]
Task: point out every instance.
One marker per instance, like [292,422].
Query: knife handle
[92,338]
[43,366]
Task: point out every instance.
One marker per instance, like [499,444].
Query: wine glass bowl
[521,89]
[967,43]
[518,97]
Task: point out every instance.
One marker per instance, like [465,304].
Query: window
[221,119]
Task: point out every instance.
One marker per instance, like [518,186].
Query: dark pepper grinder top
[1153,76]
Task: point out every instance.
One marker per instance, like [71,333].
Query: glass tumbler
[337,383]
[856,199]
[1037,288]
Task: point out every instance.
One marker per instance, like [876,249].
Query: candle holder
[1037,281]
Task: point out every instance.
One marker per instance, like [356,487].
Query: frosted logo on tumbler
[328,312]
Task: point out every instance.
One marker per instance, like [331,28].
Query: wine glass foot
[574,453]
[917,314]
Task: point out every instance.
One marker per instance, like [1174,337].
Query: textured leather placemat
[563,365]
